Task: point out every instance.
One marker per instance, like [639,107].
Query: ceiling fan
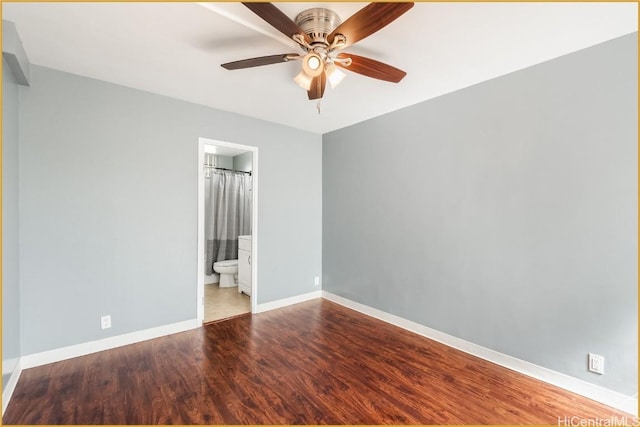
[321,35]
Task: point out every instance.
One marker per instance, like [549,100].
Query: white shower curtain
[227,214]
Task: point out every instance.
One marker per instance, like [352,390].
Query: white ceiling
[175,49]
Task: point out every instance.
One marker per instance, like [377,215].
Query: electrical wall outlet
[596,363]
[317,281]
[105,321]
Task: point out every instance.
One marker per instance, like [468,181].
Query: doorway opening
[227,230]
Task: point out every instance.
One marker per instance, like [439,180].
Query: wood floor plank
[311,363]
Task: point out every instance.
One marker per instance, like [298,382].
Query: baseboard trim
[268,306]
[11,385]
[628,404]
[64,353]
[9,365]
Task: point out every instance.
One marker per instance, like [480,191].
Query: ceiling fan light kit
[312,64]
[304,80]
[321,34]
[334,75]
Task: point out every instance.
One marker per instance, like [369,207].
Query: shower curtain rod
[225,169]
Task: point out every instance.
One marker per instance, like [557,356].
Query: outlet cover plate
[105,322]
[596,363]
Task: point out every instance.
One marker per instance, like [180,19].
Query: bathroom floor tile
[220,303]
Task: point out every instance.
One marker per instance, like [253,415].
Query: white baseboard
[11,385]
[267,306]
[628,404]
[9,365]
[58,354]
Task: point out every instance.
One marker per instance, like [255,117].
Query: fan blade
[262,60]
[317,86]
[368,20]
[371,68]
[277,19]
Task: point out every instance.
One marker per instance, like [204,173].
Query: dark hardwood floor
[311,363]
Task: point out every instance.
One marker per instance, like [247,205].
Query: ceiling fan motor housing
[318,23]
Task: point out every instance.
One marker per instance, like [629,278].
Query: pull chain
[318,107]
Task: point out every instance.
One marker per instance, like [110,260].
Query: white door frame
[254,223]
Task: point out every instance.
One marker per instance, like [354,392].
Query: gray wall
[10,226]
[511,220]
[109,207]
[243,162]
[225,162]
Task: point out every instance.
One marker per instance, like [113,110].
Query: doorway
[217,295]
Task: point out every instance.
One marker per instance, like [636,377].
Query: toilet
[227,269]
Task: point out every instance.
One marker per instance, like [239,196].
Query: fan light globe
[303,80]
[312,65]
[334,75]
